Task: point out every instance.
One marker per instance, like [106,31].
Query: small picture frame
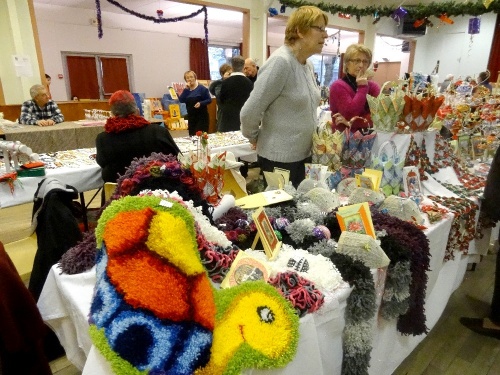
[266,234]
[463,145]
[477,146]
[175,111]
[411,182]
[245,268]
[356,218]
[172,93]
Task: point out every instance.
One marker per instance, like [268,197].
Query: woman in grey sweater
[279,118]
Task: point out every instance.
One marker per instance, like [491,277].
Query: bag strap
[390,142]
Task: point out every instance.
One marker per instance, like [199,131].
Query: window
[327,67]
[218,55]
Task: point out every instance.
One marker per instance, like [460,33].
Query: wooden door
[114,75]
[82,75]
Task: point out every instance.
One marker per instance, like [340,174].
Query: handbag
[327,145]
[389,161]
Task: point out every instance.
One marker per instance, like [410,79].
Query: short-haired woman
[196,97]
[279,117]
[127,136]
[348,95]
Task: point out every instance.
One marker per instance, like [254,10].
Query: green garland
[419,11]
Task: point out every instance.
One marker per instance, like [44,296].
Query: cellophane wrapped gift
[386,109]
[208,171]
[418,112]
[210,176]
[327,144]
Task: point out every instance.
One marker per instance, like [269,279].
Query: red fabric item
[121,124]
[21,326]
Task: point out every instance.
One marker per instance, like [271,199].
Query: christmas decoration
[399,14]
[273,12]
[158,19]
[451,8]
[474,25]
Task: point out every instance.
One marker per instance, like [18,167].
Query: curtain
[82,75]
[494,60]
[198,58]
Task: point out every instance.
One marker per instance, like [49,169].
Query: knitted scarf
[121,124]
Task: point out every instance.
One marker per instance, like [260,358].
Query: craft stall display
[18,159]
[314,277]
[77,168]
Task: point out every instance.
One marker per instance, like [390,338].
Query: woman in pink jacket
[348,95]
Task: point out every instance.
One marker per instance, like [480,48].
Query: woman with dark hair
[348,95]
[196,97]
[127,136]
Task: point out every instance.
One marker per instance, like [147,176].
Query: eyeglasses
[319,28]
[357,61]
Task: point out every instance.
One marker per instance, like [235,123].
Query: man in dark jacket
[234,92]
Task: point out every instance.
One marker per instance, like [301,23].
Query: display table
[65,303]
[83,175]
[63,136]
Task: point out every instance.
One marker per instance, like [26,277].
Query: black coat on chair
[57,228]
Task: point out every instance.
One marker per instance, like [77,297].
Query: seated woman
[127,136]
[348,95]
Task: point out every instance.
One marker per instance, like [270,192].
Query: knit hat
[122,96]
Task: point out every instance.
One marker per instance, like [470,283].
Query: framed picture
[477,146]
[411,182]
[463,145]
[175,111]
[266,234]
[245,268]
[356,218]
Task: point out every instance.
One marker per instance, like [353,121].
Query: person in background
[214,88]
[348,95]
[196,97]
[234,92]
[317,79]
[446,83]
[279,117]
[251,69]
[484,80]
[40,110]
[127,136]
[490,211]
[48,80]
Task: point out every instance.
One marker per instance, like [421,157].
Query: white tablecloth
[65,303]
[85,178]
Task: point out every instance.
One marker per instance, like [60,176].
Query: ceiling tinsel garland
[158,19]
[419,11]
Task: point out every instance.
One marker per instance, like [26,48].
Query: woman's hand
[361,78]
[197,105]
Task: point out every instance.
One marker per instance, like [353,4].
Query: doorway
[96,76]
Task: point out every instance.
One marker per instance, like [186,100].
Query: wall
[451,45]
[158,58]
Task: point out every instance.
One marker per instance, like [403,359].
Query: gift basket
[386,109]
[419,110]
[327,144]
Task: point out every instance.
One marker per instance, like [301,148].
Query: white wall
[451,45]
[159,55]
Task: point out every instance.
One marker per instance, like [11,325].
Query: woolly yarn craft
[148,254]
